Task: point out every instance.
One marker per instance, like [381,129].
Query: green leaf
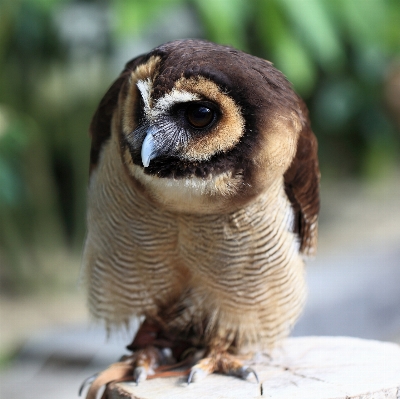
[225,20]
[391,31]
[288,53]
[292,59]
[337,101]
[313,25]
[360,16]
[44,5]
[132,16]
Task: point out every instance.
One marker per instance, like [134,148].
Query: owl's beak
[148,147]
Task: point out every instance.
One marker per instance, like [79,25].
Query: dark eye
[199,115]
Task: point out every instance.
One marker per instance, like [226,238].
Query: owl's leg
[155,351]
[220,361]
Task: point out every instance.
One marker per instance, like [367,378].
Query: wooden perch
[303,368]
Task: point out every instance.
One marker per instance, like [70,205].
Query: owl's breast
[247,275]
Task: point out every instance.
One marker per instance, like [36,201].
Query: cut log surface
[302,368]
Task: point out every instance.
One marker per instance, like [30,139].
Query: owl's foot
[220,362]
[149,362]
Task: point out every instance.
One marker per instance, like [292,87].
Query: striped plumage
[207,241]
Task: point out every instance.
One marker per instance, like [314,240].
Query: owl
[202,206]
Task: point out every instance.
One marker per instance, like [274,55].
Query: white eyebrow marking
[172,98]
[145,87]
[164,104]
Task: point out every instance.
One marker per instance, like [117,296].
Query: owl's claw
[196,374]
[244,372]
[87,382]
[139,374]
[146,361]
[119,371]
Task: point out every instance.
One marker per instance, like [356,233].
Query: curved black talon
[86,382]
[196,374]
[249,371]
[191,374]
[139,374]
[244,372]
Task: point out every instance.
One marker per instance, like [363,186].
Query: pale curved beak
[148,147]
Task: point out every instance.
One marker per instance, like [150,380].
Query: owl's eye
[199,115]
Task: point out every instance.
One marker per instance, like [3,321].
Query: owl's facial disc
[171,132]
[187,130]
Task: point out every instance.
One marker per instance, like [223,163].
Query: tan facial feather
[142,72]
[193,194]
[278,144]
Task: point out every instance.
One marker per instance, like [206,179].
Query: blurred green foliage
[53,71]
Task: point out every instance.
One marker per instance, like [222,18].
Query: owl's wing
[302,187]
[100,126]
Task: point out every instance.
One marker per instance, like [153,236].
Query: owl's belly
[250,310]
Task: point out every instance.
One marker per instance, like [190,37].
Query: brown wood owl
[203,203]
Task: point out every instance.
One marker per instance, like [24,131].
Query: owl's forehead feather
[193,58]
[251,81]
[163,104]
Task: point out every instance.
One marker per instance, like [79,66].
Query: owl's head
[201,127]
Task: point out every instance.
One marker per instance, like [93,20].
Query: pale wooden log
[303,368]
